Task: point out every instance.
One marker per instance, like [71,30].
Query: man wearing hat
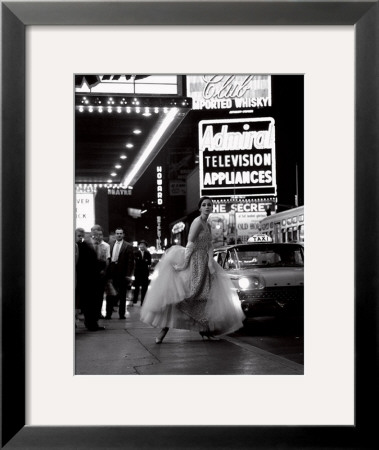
[142,259]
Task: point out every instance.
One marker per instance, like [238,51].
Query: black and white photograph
[189,224]
[158,162]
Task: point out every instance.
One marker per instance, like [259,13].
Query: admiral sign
[237,157]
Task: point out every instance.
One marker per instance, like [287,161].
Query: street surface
[127,347]
[283,337]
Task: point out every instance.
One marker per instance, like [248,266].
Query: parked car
[268,277]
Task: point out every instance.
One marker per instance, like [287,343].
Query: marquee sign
[237,157]
[85,210]
[210,92]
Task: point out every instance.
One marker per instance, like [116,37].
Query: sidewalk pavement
[127,347]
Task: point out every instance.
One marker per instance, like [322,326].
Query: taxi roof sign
[260,238]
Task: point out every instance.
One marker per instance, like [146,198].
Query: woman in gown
[189,290]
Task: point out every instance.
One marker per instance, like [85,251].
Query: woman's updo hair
[202,199]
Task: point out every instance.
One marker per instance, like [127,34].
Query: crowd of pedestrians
[108,271]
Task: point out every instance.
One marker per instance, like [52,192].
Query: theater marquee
[237,157]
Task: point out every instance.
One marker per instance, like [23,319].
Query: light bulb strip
[151,145]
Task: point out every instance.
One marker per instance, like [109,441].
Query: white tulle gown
[192,299]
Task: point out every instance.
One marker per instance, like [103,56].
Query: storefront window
[301,233]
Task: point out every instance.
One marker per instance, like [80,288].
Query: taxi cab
[268,277]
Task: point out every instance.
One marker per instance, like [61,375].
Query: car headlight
[251,283]
[243,283]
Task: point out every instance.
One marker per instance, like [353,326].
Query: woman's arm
[195,229]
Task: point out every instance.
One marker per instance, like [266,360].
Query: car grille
[280,300]
[285,294]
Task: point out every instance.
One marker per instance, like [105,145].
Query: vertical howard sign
[237,157]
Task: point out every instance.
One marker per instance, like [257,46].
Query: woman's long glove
[211,262]
[187,256]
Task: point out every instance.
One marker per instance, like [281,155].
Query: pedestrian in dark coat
[86,275]
[142,259]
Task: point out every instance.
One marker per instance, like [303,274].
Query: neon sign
[159,185]
[229,91]
[237,157]
[178,227]
[159,232]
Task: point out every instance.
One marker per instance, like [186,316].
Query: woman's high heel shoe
[162,334]
[208,335]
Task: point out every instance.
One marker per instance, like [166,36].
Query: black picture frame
[15,16]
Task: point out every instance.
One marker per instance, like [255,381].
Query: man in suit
[120,273]
[142,270]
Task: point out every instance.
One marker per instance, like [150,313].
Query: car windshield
[277,256]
